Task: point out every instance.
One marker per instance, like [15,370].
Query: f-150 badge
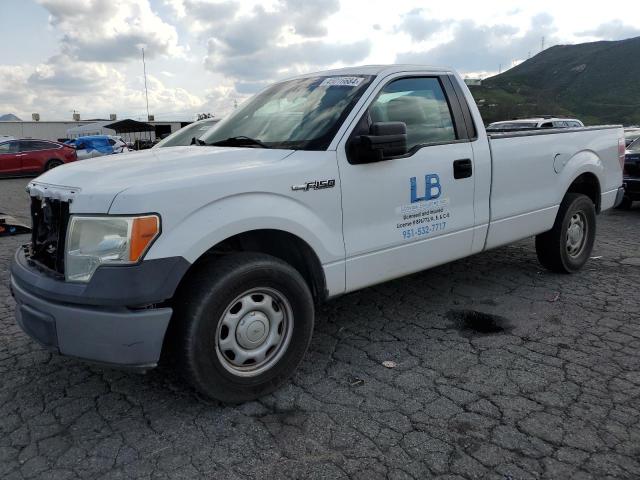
[315,185]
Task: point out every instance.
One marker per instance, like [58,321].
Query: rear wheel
[567,246]
[51,164]
[245,322]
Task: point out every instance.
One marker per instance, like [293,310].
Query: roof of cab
[375,70]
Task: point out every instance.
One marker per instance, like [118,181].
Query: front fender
[209,225]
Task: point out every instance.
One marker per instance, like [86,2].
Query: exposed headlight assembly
[112,240]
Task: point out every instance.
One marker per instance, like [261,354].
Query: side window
[7,147]
[40,145]
[547,125]
[26,146]
[111,141]
[421,104]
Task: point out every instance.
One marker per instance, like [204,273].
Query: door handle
[462,168]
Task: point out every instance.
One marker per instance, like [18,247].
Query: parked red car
[27,156]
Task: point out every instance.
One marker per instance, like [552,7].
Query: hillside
[9,117]
[598,82]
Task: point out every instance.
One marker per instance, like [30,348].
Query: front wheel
[567,246]
[51,164]
[245,322]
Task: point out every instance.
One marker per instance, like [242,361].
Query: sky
[207,56]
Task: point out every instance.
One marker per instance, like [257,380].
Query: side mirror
[385,140]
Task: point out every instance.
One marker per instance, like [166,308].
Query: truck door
[408,213]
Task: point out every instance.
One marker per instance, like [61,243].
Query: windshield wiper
[240,141]
[197,141]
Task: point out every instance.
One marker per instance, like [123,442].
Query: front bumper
[151,281]
[113,320]
[118,336]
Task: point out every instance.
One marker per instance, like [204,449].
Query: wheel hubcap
[254,332]
[576,234]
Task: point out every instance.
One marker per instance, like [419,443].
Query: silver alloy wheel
[576,234]
[254,332]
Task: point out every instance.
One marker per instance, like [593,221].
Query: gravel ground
[503,371]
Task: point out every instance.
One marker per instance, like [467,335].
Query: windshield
[185,135]
[299,114]
[634,146]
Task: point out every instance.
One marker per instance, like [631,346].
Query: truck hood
[94,183]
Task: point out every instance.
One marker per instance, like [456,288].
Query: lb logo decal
[432,188]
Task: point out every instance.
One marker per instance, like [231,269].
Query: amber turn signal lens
[143,231]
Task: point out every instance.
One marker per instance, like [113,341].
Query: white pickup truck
[318,186]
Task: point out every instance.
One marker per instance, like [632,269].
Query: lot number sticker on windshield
[341,82]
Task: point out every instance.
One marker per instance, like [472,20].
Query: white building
[56,130]
[93,128]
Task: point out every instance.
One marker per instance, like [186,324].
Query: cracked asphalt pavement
[503,371]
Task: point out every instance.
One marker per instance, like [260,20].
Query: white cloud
[110,31]
[419,26]
[206,55]
[613,30]
[475,48]
[265,44]
[61,85]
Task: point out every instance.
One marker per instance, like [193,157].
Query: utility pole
[146,92]
[542,44]
[499,68]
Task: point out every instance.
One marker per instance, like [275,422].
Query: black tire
[552,247]
[625,204]
[51,164]
[206,301]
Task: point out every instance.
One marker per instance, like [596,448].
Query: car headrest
[406,109]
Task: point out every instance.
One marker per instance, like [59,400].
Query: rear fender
[585,161]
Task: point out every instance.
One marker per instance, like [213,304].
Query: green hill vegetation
[597,82]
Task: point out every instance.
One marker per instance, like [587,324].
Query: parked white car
[534,123]
[92,146]
[318,186]
[189,134]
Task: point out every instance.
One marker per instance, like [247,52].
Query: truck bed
[531,171]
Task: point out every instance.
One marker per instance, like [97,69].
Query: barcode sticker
[342,82]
